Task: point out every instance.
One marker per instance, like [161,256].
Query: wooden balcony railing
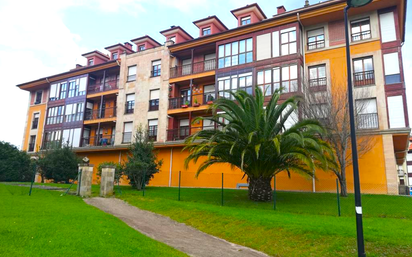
[100,113]
[99,140]
[105,86]
[194,100]
[364,78]
[193,68]
[368,121]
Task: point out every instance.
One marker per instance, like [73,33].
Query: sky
[45,37]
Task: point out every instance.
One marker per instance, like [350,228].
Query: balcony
[193,68]
[361,35]
[317,82]
[99,140]
[102,87]
[316,44]
[129,107]
[152,132]
[364,78]
[178,134]
[100,113]
[154,105]
[368,121]
[192,101]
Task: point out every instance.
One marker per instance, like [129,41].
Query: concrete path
[177,235]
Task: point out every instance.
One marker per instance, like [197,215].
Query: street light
[358,204]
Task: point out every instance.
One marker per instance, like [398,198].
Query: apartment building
[164,87]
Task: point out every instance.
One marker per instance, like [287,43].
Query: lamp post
[358,204]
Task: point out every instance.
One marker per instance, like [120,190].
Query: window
[114,56]
[316,39]
[131,74]
[184,128]
[129,104]
[32,143]
[73,89]
[39,95]
[35,122]
[154,100]
[288,41]
[388,30]
[363,71]
[74,112]
[141,48]
[292,119]
[90,62]
[156,68]
[360,29]
[209,94]
[172,39]
[233,83]
[289,78]
[319,111]
[58,91]
[52,138]
[367,114]
[127,132]
[55,115]
[208,125]
[317,76]
[186,66]
[264,81]
[210,62]
[392,71]
[236,53]
[396,112]
[206,31]
[63,90]
[245,20]
[152,130]
[71,137]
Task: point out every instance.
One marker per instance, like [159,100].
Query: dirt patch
[177,235]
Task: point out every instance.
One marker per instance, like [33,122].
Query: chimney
[128,45]
[306,3]
[78,66]
[281,9]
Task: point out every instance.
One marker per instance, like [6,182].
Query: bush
[142,160]
[59,164]
[118,170]
[15,165]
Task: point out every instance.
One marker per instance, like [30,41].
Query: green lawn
[47,224]
[304,224]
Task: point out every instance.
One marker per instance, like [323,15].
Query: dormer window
[141,48]
[172,39]
[114,56]
[90,62]
[245,20]
[206,31]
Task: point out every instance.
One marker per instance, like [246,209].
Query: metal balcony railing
[154,105]
[192,68]
[193,100]
[152,132]
[100,113]
[105,86]
[368,121]
[99,140]
[361,35]
[316,44]
[317,82]
[178,134]
[364,78]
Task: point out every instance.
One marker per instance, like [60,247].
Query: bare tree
[331,108]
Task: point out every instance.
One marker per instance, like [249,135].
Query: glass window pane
[249,45]
[260,78]
[284,38]
[235,48]
[234,60]
[292,36]
[276,74]
[293,86]
[249,81]
[227,61]
[227,84]
[292,48]
[313,74]
[357,66]
[285,73]
[249,57]
[355,29]
[242,82]
[368,64]
[365,27]
[285,49]
[221,50]
[293,72]
[221,62]
[234,83]
[268,76]
[227,49]
[285,86]
[242,58]
[322,71]
[268,89]
[276,86]
[249,90]
[242,46]
[221,84]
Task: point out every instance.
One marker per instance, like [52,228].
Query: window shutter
[154,94]
[82,84]
[132,70]
[69,108]
[129,97]
[315,32]
[391,63]
[53,88]
[263,47]
[184,122]
[388,30]
[158,62]
[209,89]
[275,44]
[128,126]
[153,122]
[210,57]
[395,111]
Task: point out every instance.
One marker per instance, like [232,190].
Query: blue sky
[44,37]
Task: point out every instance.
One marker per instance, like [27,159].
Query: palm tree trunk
[260,189]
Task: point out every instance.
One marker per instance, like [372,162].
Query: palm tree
[255,140]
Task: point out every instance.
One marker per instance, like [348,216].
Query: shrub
[118,170]
[15,165]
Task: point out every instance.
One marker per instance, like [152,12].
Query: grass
[304,224]
[46,224]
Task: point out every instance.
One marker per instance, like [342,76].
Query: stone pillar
[107,181]
[84,186]
[390,165]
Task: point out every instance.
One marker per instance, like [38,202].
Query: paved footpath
[177,235]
